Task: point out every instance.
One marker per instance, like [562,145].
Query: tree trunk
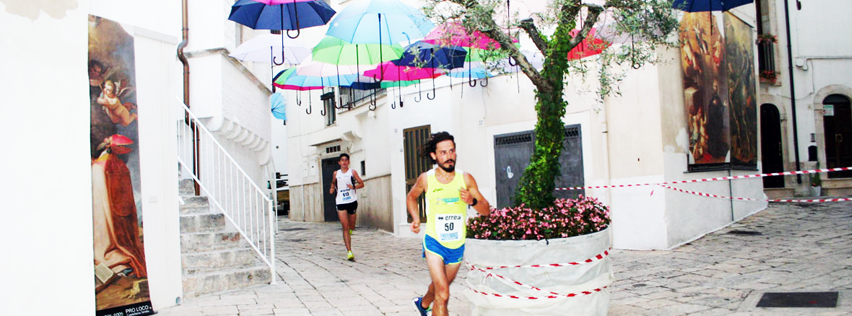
[536,186]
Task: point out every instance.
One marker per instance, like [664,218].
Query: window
[351,98]
[363,168]
[329,108]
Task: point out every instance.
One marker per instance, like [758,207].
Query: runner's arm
[333,183]
[411,201]
[482,207]
[358,182]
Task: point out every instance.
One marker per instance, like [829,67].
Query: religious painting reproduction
[120,273]
[741,92]
[705,90]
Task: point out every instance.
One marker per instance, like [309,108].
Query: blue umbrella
[294,15]
[427,55]
[379,22]
[708,5]
[277,102]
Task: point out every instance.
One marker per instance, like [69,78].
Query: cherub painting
[110,99]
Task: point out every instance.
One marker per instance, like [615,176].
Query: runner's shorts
[348,207]
[450,256]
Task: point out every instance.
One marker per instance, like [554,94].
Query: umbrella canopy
[423,54]
[336,51]
[289,79]
[454,34]
[290,15]
[474,72]
[265,47]
[590,46]
[380,85]
[391,72]
[276,100]
[708,5]
[379,22]
[320,69]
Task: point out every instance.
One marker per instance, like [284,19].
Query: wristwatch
[474,202]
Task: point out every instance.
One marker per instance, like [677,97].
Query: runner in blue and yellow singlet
[449,192]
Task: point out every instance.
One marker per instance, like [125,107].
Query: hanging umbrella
[393,72]
[290,80]
[281,14]
[454,34]
[267,48]
[276,100]
[590,46]
[321,69]
[708,5]
[379,22]
[336,51]
[423,54]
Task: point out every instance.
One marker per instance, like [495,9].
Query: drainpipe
[185,62]
[792,90]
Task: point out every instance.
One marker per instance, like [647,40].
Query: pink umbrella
[454,34]
[389,71]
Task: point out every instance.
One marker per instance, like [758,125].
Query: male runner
[448,194]
[347,180]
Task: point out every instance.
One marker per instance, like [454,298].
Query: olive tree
[647,23]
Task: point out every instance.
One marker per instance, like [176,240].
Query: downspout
[792,90]
[185,62]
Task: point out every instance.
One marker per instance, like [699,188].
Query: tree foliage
[642,26]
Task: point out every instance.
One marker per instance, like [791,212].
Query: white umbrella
[266,47]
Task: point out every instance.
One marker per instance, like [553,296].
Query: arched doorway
[837,124]
[770,145]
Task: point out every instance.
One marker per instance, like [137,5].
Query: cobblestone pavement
[785,248]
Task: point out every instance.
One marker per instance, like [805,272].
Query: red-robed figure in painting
[116,228]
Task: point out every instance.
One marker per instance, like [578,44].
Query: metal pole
[792,90]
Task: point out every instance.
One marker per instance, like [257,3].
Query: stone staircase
[213,255]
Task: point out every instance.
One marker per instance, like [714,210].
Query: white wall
[45,47]
[47,192]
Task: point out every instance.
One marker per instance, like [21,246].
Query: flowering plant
[567,218]
[766,38]
[769,75]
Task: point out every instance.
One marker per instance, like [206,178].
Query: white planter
[491,295]
[815,191]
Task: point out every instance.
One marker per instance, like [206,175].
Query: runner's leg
[452,270]
[344,221]
[442,275]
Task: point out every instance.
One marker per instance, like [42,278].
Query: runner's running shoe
[423,311]
[350,256]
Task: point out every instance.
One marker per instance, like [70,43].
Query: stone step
[199,223]
[195,205]
[198,242]
[186,187]
[224,280]
[201,262]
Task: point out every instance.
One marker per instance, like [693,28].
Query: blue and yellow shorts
[450,256]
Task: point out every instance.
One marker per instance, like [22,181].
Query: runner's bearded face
[445,155]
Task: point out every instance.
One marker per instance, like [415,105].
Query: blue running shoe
[416,302]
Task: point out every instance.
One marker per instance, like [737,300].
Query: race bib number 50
[449,227]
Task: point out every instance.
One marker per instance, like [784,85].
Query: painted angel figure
[110,99]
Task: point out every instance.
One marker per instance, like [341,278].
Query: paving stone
[802,248]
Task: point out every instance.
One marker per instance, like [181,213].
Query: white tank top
[345,195]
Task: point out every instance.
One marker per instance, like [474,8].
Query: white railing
[227,186]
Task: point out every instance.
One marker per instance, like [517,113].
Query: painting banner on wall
[705,87]
[121,275]
[741,92]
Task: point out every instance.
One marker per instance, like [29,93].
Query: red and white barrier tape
[599,256]
[486,270]
[759,200]
[541,297]
[786,173]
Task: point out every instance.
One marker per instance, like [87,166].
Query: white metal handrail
[227,186]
